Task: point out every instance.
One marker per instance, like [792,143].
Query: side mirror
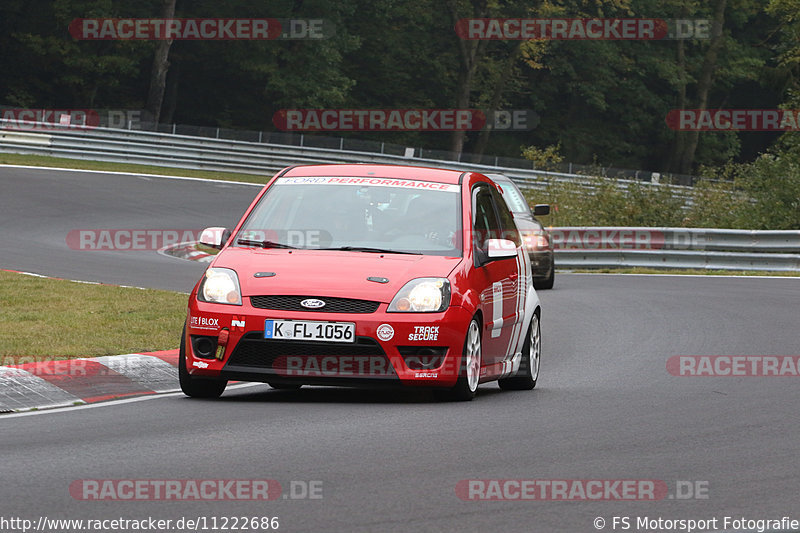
[540,210]
[215,237]
[501,248]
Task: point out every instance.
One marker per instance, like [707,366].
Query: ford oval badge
[312,303]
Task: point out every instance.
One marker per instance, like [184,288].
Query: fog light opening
[203,347]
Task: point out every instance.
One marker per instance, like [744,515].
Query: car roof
[499,178]
[437,175]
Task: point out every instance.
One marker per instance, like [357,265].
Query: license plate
[306,330]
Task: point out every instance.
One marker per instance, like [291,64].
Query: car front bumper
[410,349]
[541,263]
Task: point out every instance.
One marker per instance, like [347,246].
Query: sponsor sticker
[424,333]
[385,332]
[203,322]
[373,182]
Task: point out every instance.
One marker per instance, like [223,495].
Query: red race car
[366,274]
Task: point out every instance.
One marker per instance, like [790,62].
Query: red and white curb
[49,384]
[188,251]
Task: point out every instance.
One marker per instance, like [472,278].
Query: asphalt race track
[605,407]
[39,208]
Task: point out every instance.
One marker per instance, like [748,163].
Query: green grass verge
[694,272]
[63,319]
[62,162]
[207,249]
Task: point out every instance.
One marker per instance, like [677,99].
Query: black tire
[197,387]
[528,372]
[467,384]
[541,284]
[285,386]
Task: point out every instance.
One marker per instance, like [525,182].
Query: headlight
[422,295]
[536,240]
[220,286]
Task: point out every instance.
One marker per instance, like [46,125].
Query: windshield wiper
[369,249]
[265,244]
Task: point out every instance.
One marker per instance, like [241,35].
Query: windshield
[513,197]
[361,214]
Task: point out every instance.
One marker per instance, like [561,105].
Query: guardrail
[677,248]
[203,153]
[138,121]
[577,247]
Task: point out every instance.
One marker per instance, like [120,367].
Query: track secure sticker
[385,332]
[424,333]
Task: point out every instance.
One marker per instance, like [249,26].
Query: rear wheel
[528,372]
[197,387]
[467,384]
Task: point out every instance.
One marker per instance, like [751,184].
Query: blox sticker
[202,322]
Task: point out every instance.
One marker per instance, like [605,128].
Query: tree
[158,76]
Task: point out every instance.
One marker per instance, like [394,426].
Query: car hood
[527,223]
[328,272]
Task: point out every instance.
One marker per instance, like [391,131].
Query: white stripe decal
[512,340]
[523,296]
[497,308]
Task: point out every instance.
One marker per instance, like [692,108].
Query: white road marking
[137,174]
[69,409]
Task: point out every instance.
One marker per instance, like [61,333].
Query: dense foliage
[599,102]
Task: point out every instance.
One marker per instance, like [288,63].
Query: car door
[497,280]
[514,308]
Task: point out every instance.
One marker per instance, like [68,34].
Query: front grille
[332,305]
[256,352]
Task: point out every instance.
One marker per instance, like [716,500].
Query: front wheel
[548,282]
[528,372]
[197,387]
[467,384]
